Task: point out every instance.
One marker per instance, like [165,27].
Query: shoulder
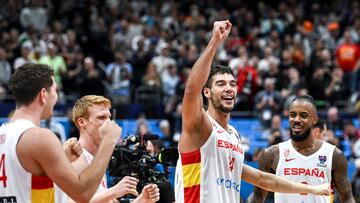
[269,158]
[339,162]
[38,137]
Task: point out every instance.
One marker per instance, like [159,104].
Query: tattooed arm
[340,177]
[267,163]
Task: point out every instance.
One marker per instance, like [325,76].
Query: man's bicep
[49,153]
[340,177]
[192,109]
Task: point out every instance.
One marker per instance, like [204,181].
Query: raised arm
[340,177]
[274,183]
[267,163]
[41,153]
[193,114]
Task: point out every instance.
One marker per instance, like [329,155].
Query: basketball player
[89,112]
[305,159]
[32,158]
[210,166]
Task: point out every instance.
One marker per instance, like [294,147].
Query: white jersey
[313,170]
[212,173]
[16,184]
[103,186]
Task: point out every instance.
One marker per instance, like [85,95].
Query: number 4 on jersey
[231,163]
[3,177]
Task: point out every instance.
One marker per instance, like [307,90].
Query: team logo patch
[287,152]
[322,160]
[2,138]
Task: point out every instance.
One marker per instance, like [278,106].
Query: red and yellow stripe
[191,174]
[42,189]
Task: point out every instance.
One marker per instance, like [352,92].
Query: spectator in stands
[336,91]
[25,56]
[350,132]
[275,124]
[248,82]
[164,60]
[267,103]
[119,74]
[35,14]
[317,84]
[91,79]
[56,62]
[348,59]
[5,70]
[334,122]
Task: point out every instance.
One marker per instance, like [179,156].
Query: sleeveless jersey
[313,170]
[212,173]
[103,186]
[16,184]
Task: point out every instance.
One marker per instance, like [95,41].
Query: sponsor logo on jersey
[322,160]
[315,172]
[228,184]
[228,145]
[289,159]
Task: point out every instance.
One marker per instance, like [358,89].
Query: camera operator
[89,112]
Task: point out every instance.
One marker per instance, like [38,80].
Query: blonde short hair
[81,106]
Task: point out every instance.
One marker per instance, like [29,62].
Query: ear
[316,118]
[206,92]
[81,122]
[42,95]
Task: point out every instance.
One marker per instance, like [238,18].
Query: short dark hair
[28,80]
[306,98]
[218,69]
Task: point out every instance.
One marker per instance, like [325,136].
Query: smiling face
[222,93]
[302,116]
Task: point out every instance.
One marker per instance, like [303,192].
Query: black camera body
[131,158]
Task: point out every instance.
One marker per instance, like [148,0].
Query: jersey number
[3,177]
[231,163]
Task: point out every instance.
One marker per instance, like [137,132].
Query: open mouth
[228,99]
[296,128]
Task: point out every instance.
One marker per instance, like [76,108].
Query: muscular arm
[267,163]
[195,123]
[41,153]
[340,177]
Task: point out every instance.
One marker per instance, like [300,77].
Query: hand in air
[221,30]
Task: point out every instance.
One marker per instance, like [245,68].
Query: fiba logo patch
[2,138]
[322,160]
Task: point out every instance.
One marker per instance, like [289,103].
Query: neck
[220,117]
[87,143]
[27,113]
[305,145]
